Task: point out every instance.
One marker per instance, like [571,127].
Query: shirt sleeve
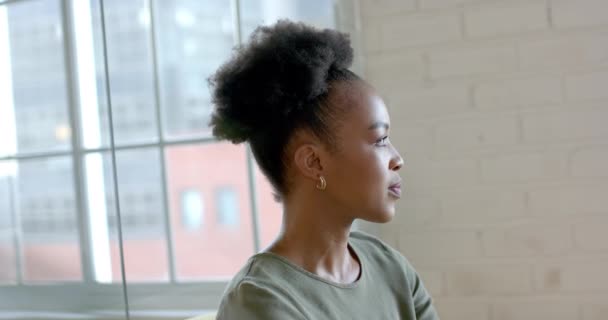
[423,302]
[250,301]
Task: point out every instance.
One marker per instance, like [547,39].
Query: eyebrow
[379,124]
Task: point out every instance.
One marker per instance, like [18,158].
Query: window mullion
[77,156]
[115,187]
[253,198]
[6,89]
[254,201]
[159,131]
[16,227]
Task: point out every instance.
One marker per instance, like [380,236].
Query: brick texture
[505,18]
[581,13]
[494,279]
[499,109]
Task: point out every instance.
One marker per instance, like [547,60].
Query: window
[227,207]
[106,160]
[192,209]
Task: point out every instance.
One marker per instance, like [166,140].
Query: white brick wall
[436,4]
[481,206]
[590,234]
[518,93]
[382,8]
[590,162]
[500,111]
[489,279]
[527,240]
[428,100]
[473,59]
[505,18]
[580,13]
[463,308]
[596,311]
[391,70]
[433,281]
[562,51]
[592,85]
[551,202]
[447,246]
[558,125]
[554,309]
[583,275]
[526,167]
[419,30]
[476,132]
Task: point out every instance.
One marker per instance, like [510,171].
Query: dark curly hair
[276,84]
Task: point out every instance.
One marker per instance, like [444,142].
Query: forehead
[365,106]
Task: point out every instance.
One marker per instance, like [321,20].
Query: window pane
[8,271]
[270,211]
[222,244]
[47,212]
[32,43]
[320,13]
[194,38]
[192,209]
[131,73]
[227,206]
[98,180]
[257,12]
[141,207]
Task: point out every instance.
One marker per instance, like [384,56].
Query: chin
[381,217]
[387,218]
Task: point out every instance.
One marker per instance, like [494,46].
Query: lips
[395,189]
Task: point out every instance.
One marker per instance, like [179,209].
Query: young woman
[321,135]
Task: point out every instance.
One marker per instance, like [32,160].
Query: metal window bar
[159,132]
[3,2]
[77,159]
[210,288]
[113,154]
[78,152]
[14,216]
[52,154]
[253,199]
[16,226]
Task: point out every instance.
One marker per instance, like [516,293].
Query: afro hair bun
[282,70]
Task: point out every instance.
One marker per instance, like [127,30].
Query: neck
[314,235]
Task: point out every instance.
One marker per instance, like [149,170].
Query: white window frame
[114,300]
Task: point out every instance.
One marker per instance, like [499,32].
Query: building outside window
[106,158]
[227,207]
[193,209]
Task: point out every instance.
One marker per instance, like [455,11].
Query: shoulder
[250,296]
[363,237]
[371,245]
[388,258]
[251,300]
[395,266]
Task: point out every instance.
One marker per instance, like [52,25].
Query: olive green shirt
[271,287]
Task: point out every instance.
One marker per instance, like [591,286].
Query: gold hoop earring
[322,183]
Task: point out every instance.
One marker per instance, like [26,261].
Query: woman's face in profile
[363,174]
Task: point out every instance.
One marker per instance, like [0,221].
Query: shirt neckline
[314,276]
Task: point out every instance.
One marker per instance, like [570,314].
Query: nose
[396,162]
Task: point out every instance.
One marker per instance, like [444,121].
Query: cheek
[361,172]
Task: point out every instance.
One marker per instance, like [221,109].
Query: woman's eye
[382,141]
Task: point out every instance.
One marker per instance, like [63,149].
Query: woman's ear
[307,158]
